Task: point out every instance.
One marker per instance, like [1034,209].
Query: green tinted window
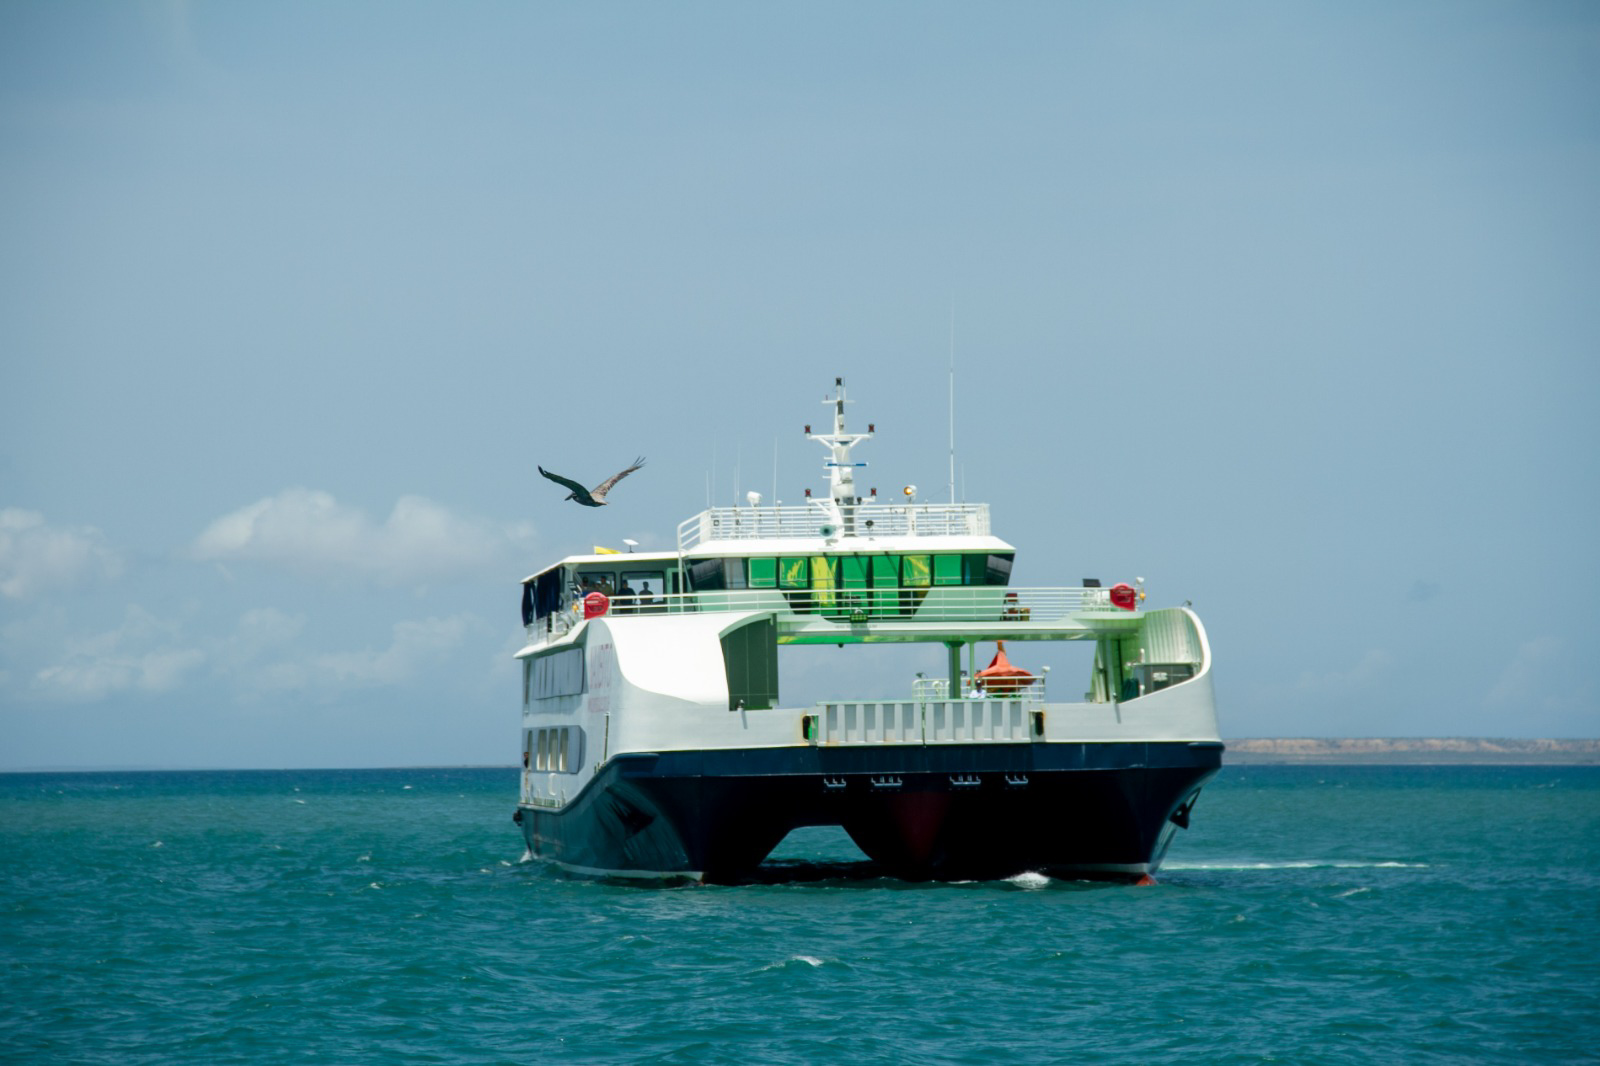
[916,571]
[824,578]
[853,572]
[885,571]
[947,569]
[793,573]
[763,573]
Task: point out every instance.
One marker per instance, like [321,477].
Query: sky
[1290,309]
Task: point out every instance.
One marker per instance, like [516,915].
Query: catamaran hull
[950,812]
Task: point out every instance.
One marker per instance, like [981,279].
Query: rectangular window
[824,579]
[999,570]
[561,762]
[763,573]
[885,584]
[542,762]
[706,575]
[558,674]
[916,571]
[640,588]
[885,572]
[947,569]
[853,572]
[793,573]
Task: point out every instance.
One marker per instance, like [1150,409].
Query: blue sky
[1290,309]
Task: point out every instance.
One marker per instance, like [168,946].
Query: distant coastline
[1397,751]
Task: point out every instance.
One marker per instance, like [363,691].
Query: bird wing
[568,482]
[600,490]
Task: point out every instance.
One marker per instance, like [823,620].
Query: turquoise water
[1311,915]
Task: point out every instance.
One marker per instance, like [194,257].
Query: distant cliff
[1398,750]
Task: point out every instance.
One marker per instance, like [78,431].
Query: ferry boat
[656,742]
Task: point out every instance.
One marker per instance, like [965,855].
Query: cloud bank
[143,654]
[36,557]
[413,644]
[310,532]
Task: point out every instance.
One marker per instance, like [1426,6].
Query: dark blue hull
[921,812]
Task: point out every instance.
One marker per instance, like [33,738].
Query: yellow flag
[605,551]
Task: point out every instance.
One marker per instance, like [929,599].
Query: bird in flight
[595,497]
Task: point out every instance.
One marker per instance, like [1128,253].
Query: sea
[1310,914]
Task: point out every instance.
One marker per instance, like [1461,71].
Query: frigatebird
[595,497]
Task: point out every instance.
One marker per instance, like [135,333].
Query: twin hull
[624,779]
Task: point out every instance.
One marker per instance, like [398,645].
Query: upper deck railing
[807,522]
[948,605]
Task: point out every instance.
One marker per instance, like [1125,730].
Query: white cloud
[412,645]
[258,633]
[310,532]
[143,654]
[35,556]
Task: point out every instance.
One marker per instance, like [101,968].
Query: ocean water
[1311,915]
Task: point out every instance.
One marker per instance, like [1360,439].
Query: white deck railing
[805,523]
[852,722]
[950,604]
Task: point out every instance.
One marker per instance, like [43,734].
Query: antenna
[952,401]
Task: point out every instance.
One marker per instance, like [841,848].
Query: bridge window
[988,569]
[916,571]
[763,573]
[709,575]
[793,573]
[824,579]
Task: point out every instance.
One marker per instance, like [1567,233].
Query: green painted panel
[763,573]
